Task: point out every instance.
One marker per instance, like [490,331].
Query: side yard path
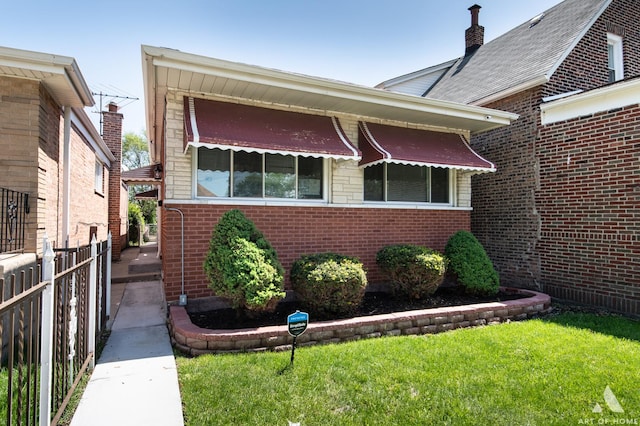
[135,380]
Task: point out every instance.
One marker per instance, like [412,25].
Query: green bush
[470,265]
[329,283]
[414,271]
[242,266]
[136,223]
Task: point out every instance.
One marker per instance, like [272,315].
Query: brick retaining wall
[194,340]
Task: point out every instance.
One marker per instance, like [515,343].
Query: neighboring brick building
[561,213]
[318,165]
[51,151]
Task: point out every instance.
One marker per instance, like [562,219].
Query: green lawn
[537,372]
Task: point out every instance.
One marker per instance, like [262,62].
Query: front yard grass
[537,372]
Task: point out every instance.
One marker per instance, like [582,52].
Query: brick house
[318,165]
[51,152]
[561,213]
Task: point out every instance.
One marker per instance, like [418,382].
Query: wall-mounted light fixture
[157,171]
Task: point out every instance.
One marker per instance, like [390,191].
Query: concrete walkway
[135,381]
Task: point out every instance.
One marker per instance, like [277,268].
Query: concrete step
[149,248]
[145,267]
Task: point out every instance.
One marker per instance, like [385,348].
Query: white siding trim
[599,100]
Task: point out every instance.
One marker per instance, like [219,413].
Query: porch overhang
[401,145]
[168,69]
[236,127]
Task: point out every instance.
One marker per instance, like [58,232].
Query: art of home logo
[614,406]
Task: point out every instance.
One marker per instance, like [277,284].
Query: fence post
[46,339]
[108,283]
[92,302]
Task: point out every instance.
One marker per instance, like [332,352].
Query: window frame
[325,181]
[615,42]
[428,182]
[98,177]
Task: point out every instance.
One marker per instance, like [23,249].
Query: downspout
[66,177]
[183,297]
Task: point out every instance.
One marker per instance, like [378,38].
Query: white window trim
[618,61]
[98,177]
[259,200]
[452,193]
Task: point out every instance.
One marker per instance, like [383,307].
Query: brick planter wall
[294,231]
[194,340]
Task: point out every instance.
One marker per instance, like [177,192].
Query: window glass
[98,183]
[615,62]
[418,184]
[439,185]
[279,176]
[374,183]
[255,175]
[611,63]
[213,173]
[406,183]
[247,174]
[310,178]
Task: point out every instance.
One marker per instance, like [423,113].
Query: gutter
[529,84]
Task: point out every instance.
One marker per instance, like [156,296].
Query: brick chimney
[474,35]
[112,136]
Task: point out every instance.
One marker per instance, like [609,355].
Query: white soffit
[60,74]
[614,96]
[171,69]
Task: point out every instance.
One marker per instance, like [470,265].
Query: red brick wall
[87,207]
[112,136]
[294,231]
[50,173]
[512,215]
[586,66]
[589,201]
[19,131]
[504,217]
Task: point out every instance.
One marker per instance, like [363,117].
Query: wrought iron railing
[14,206]
[48,330]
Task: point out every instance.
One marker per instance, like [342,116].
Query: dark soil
[374,303]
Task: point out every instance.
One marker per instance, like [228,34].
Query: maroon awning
[147,195]
[390,144]
[225,125]
[141,176]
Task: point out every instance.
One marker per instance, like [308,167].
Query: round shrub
[242,266]
[414,271]
[470,265]
[329,283]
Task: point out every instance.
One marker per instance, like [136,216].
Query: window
[405,183]
[98,182]
[615,58]
[224,173]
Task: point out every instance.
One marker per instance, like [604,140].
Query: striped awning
[391,144]
[225,125]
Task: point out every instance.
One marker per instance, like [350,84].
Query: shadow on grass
[598,322]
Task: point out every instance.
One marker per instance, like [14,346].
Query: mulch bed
[374,303]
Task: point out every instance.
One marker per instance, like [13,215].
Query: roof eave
[406,77]
[529,84]
[62,74]
[613,96]
[468,117]
[94,138]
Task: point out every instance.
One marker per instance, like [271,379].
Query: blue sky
[357,41]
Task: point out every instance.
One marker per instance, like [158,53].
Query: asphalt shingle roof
[526,53]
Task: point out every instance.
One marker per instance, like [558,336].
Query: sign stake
[296,325]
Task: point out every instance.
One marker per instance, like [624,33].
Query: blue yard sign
[297,323]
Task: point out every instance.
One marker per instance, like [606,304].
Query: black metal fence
[48,331]
[14,206]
